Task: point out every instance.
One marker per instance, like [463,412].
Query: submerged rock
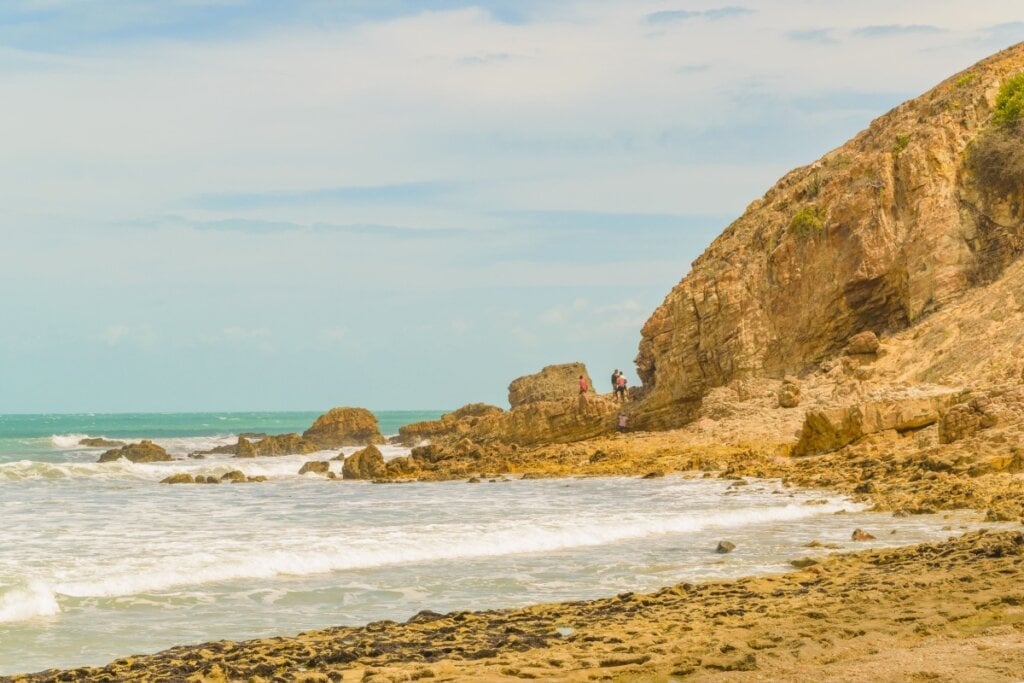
[725,547]
[99,442]
[179,478]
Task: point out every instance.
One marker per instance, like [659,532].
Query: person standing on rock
[583,384]
[615,377]
[622,422]
[620,387]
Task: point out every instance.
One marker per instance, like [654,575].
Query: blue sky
[253,204]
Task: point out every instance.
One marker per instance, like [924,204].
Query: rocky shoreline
[949,611]
[939,611]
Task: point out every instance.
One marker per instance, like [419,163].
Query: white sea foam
[67,441]
[32,469]
[420,544]
[28,602]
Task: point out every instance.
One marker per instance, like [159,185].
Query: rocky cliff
[920,208]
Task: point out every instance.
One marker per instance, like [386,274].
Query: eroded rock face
[365,464]
[553,383]
[874,236]
[144,451]
[341,427]
[830,429]
[967,419]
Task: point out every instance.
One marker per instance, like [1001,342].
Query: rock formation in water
[100,442]
[546,407]
[336,428]
[365,464]
[144,451]
[923,206]
[340,427]
[459,421]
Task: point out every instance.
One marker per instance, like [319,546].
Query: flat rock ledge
[952,610]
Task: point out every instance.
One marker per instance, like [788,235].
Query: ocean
[100,561]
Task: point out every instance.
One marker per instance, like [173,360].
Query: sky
[264,205]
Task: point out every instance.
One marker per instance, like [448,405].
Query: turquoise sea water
[40,434]
[100,560]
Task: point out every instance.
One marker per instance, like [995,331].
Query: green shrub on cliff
[1010,101]
[996,157]
[806,222]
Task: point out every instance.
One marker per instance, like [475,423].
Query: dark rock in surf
[144,451]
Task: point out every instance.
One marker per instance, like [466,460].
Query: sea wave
[30,601]
[406,546]
[67,441]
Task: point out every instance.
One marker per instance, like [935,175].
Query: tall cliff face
[877,234]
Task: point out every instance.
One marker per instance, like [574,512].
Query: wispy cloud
[822,36]
[672,16]
[263,227]
[887,30]
[397,193]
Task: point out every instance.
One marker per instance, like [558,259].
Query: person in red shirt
[583,384]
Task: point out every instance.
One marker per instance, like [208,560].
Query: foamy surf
[176,568]
[29,602]
[67,441]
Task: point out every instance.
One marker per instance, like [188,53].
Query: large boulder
[553,383]
[144,451]
[341,427]
[365,464]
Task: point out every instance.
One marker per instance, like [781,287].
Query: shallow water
[102,561]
